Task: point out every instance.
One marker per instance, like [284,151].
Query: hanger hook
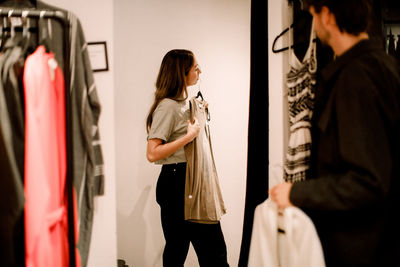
[25,13]
[10,12]
[24,18]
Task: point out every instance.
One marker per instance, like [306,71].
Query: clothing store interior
[74,161]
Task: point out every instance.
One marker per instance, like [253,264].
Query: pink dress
[46,219]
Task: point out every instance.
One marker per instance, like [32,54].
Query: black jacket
[353,194]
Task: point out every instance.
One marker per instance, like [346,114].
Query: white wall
[218,32]
[97,22]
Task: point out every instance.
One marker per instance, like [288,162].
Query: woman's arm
[157,150]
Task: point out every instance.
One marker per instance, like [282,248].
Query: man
[353,193]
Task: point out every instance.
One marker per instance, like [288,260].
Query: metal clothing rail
[62,18]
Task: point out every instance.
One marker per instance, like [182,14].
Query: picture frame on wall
[98,56]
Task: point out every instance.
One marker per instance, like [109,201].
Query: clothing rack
[62,18]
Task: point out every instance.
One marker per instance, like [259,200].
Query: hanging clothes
[391,44]
[88,178]
[284,238]
[13,55]
[11,77]
[11,189]
[302,20]
[397,53]
[88,158]
[88,175]
[301,82]
[46,218]
[203,197]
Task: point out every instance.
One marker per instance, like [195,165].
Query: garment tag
[53,65]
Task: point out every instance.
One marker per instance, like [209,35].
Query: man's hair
[352,16]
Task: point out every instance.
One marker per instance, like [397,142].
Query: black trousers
[207,239]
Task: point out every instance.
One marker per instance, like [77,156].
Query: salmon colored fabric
[46,219]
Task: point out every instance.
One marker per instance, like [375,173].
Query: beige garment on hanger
[203,198]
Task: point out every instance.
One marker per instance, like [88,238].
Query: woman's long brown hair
[171,79]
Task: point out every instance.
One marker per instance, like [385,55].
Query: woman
[169,130]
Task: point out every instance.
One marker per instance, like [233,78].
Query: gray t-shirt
[169,124]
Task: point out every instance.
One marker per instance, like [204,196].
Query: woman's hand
[193,129]
[158,150]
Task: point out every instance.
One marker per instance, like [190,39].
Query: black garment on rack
[11,191]
[391,46]
[397,53]
[302,21]
[13,55]
[11,77]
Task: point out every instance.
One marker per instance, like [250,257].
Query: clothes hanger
[199,94]
[275,50]
[5,31]
[299,14]
[10,38]
[2,32]
[27,46]
[279,36]
[43,32]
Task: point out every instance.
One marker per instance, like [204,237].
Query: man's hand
[280,195]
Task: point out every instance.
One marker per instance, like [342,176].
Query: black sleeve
[363,151]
